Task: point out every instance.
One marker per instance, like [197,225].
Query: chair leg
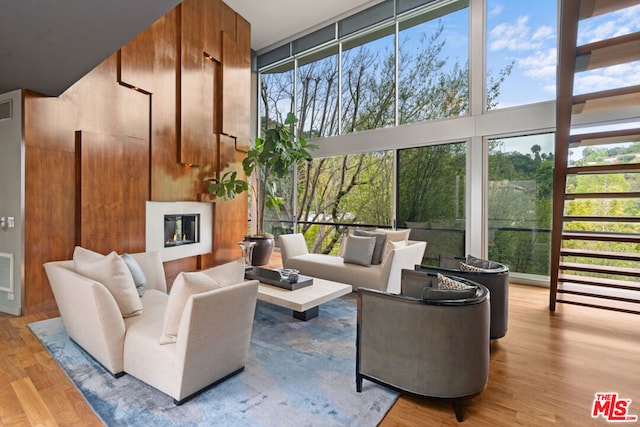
[457,408]
[358,383]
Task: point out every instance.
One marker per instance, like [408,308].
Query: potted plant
[270,158]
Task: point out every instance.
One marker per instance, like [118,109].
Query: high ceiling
[275,21]
[47,45]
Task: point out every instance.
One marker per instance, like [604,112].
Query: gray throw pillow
[359,250]
[136,272]
[381,238]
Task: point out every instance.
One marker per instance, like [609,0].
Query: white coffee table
[304,301]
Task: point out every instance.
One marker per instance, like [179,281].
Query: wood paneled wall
[146,124]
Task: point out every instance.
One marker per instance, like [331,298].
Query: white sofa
[212,327]
[383,277]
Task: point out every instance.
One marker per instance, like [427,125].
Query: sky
[526,33]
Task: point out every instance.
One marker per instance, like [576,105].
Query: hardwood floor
[545,371]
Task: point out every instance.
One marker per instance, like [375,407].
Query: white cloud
[495,10]
[540,65]
[614,24]
[519,36]
[545,32]
[608,78]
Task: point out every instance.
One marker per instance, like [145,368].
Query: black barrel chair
[425,341]
[493,275]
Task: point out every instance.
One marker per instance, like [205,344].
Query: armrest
[90,314]
[292,245]
[214,334]
[402,258]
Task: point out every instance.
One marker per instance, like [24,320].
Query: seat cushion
[334,268]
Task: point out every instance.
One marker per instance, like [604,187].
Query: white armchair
[212,330]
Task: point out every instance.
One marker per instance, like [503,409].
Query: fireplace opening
[181,229]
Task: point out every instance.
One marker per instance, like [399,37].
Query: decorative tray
[272,277]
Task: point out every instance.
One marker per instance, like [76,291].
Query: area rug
[298,374]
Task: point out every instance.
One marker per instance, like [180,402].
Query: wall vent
[6,272]
[6,110]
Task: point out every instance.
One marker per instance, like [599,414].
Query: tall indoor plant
[270,158]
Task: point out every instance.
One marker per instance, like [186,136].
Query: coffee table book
[272,277]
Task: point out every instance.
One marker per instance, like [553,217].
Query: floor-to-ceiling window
[520,191]
[400,81]
[431,197]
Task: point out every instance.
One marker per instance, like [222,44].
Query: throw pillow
[359,250]
[343,242]
[471,268]
[445,282]
[113,273]
[396,235]
[391,245]
[482,263]
[380,241]
[136,272]
[227,274]
[185,285]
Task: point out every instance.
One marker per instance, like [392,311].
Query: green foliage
[273,157]
[227,186]
[431,185]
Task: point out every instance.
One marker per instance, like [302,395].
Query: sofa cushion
[359,250]
[136,273]
[380,237]
[334,268]
[185,285]
[111,271]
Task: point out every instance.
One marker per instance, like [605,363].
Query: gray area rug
[298,374]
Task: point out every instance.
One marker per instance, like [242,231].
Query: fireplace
[181,229]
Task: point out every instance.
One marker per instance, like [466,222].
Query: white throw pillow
[359,250]
[396,235]
[185,285]
[113,273]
